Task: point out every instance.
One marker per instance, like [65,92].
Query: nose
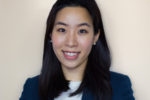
[71,40]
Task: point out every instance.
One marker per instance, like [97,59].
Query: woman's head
[89,5]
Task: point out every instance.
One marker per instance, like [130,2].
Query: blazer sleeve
[30,90]
[25,90]
[122,88]
[127,93]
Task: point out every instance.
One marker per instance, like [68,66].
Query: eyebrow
[82,24]
[61,23]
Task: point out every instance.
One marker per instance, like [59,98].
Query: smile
[71,55]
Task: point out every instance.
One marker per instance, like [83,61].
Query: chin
[70,65]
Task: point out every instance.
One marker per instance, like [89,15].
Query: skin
[73,33]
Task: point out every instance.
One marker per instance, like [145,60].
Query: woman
[76,58]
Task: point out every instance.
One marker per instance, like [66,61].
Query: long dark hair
[96,77]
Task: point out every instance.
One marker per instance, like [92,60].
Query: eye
[83,31]
[61,30]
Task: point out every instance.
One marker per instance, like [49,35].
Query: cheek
[86,44]
[57,41]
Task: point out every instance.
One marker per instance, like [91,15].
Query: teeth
[70,54]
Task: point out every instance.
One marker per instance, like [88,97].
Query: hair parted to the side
[96,77]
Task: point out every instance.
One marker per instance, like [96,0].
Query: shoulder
[32,83]
[30,89]
[118,79]
[33,80]
[121,86]
[115,77]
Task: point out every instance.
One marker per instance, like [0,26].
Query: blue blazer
[121,87]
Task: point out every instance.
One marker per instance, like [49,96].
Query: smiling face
[73,37]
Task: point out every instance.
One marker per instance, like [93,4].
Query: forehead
[73,14]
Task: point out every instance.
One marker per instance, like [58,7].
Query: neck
[74,74]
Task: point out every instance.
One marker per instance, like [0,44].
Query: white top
[65,95]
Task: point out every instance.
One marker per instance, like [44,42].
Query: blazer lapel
[87,95]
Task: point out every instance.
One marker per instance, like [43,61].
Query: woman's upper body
[75,49]
[121,89]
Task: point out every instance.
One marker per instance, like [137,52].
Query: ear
[96,37]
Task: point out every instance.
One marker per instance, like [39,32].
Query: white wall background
[22,28]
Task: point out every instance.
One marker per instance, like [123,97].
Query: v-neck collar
[87,95]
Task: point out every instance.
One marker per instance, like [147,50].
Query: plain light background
[22,29]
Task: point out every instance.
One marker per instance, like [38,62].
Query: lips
[71,55]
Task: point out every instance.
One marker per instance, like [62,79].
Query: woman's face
[73,37]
